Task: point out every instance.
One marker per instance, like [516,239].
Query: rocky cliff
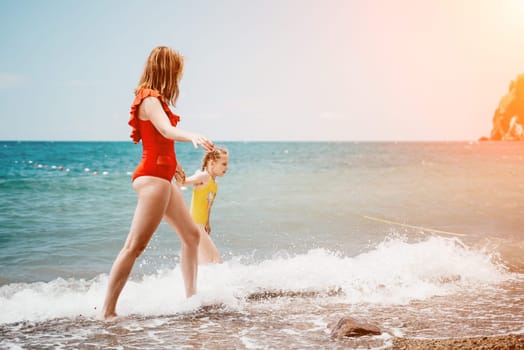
[508,119]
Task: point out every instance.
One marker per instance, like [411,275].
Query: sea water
[420,239]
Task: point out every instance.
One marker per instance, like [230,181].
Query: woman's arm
[152,110]
[180,174]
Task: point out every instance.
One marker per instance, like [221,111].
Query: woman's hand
[180,174]
[203,141]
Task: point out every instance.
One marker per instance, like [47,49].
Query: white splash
[394,272]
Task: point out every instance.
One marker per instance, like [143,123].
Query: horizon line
[256,140]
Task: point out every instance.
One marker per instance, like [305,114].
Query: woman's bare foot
[108,317]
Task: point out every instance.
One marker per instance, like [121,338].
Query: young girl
[204,192]
[153,122]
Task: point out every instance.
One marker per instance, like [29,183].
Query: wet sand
[503,342]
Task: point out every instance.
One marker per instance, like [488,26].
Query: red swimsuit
[158,153]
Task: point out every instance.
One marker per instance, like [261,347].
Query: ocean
[422,239]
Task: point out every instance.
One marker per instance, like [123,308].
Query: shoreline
[496,342]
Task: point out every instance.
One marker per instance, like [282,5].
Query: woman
[154,123]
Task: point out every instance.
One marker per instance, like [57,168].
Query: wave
[394,272]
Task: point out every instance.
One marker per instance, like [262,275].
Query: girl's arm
[154,112]
[198,178]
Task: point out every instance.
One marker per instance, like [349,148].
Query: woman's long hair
[162,72]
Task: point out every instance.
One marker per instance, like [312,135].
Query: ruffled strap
[133,119]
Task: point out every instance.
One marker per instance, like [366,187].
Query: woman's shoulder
[133,117]
[140,96]
[150,98]
[146,96]
[147,92]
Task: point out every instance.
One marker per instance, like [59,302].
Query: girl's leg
[177,216]
[153,196]
[207,251]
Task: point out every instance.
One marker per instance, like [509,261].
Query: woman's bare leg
[177,216]
[153,196]
[207,251]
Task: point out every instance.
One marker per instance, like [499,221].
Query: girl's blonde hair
[215,154]
[162,72]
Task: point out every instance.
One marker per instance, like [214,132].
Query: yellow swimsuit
[202,200]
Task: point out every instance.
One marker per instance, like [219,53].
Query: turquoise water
[367,228]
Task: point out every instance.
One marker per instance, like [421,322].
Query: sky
[262,70]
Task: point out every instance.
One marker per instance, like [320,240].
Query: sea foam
[394,272]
